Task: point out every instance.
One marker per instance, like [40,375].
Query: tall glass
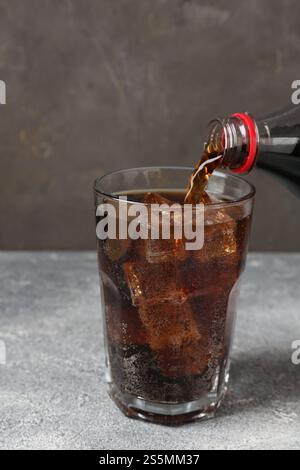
[169,311]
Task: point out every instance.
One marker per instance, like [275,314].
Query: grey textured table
[52,390]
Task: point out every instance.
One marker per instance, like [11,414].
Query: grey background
[94,86]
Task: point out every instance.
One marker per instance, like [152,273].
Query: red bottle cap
[250,158]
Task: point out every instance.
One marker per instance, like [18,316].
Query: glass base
[164,413]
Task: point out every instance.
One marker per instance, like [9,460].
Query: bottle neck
[237,137]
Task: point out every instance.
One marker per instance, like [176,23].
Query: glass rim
[248,196]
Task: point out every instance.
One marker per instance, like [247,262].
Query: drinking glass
[169,312]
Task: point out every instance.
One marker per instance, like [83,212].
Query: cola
[169,312]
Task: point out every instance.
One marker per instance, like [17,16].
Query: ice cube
[188,360]
[223,250]
[174,338]
[113,280]
[220,232]
[124,326]
[204,274]
[197,277]
[164,250]
[210,311]
[214,316]
[215,267]
[153,283]
[169,324]
[116,249]
[123,322]
[160,251]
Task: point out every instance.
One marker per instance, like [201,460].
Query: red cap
[250,158]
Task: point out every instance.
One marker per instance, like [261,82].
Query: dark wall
[96,85]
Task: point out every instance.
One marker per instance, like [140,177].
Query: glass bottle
[272,143]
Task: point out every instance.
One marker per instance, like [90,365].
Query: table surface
[52,389]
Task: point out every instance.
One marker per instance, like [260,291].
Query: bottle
[272,143]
